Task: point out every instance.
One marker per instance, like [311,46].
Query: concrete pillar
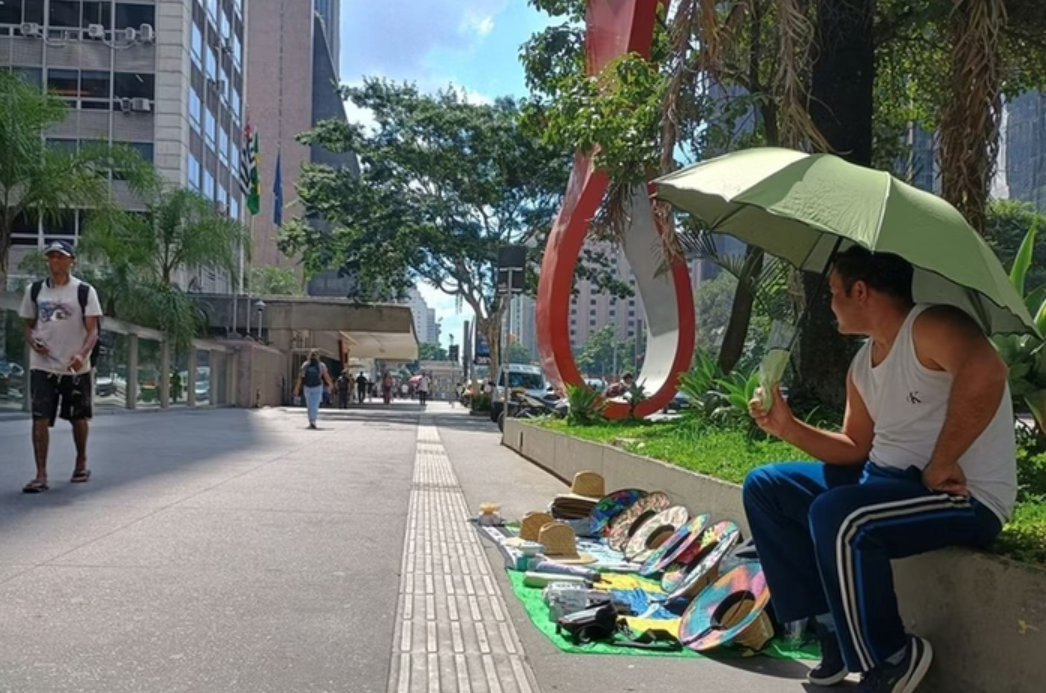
[214,378]
[131,389]
[190,384]
[164,384]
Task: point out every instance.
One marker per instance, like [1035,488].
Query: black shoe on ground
[832,669]
[903,677]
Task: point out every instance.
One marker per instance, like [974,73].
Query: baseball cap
[63,247]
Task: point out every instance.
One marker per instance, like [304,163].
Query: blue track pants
[825,536]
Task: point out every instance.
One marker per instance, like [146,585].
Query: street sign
[481,354]
[512,267]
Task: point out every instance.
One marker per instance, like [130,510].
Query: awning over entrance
[387,346]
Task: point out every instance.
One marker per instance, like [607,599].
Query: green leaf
[1024,257]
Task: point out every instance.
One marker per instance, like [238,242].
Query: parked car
[12,379]
[105,384]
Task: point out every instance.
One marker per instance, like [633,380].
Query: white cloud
[481,26]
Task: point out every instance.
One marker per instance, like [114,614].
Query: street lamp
[259,307]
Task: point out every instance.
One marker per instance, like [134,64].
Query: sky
[473,44]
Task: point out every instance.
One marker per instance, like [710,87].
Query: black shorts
[67,396]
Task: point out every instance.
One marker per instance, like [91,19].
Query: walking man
[313,375]
[343,388]
[361,387]
[61,326]
[925,459]
[423,389]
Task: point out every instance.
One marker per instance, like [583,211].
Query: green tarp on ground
[538,612]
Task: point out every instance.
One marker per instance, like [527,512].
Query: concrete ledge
[985,615]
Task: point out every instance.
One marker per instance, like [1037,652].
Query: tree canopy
[444,182]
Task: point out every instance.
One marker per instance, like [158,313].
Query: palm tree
[38,181]
[141,253]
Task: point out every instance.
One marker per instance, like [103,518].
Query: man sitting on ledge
[925,459]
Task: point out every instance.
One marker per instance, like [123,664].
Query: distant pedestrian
[361,387]
[387,384]
[313,375]
[61,326]
[344,385]
[423,389]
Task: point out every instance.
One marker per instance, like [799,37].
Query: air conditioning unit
[125,105]
[96,31]
[130,35]
[141,105]
[147,33]
[226,47]
[31,30]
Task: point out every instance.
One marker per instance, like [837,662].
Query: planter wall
[984,615]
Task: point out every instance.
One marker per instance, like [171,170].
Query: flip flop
[35,486]
[81,476]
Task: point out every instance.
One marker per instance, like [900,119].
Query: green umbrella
[802,207]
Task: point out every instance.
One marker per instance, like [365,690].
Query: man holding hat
[61,326]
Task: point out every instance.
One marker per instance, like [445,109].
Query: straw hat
[699,565]
[682,539]
[730,610]
[622,526]
[561,544]
[654,531]
[532,523]
[588,485]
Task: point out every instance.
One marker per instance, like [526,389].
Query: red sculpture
[614,28]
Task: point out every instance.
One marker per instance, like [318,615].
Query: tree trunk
[733,345]
[841,108]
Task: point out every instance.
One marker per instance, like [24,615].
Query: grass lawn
[730,454]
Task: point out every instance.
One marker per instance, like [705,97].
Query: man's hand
[776,421]
[76,363]
[946,478]
[39,347]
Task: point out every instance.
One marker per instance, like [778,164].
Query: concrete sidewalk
[230,550]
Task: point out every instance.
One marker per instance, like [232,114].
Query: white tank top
[908,403]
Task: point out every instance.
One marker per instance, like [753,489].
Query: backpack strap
[83,293]
[34,290]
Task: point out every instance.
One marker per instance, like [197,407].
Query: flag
[249,182]
[277,193]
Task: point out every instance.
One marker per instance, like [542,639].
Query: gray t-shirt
[59,324]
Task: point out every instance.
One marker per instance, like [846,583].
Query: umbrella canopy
[414,379]
[801,207]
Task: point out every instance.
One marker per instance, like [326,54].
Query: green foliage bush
[481,402]
[586,406]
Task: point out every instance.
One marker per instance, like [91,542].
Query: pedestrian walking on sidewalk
[61,326]
[344,386]
[386,387]
[361,387]
[313,375]
[423,389]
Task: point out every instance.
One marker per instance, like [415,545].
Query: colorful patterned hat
[675,545]
[622,526]
[612,505]
[653,533]
[699,565]
[730,610]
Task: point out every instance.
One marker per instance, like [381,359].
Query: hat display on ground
[612,505]
[585,491]
[699,565]
[561,544]
[682,539]
[730,610]
[531,525]
[646,539]
[622,526]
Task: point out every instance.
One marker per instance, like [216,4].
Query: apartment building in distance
[166,78]
[292,85]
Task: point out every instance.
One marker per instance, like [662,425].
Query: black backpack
[312,376]
[83,293]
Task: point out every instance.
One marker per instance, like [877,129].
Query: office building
[292,77]
[165,78]
[1024,149]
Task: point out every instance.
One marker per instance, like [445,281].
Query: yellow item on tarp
[615,581]
[639,625]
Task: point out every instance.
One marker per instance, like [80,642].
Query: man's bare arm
[947,339]
[849,446]
[91,323]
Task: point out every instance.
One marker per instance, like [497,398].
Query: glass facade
[1025,143]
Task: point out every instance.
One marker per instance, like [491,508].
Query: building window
[208,185]
[212,63]
[134,85]
[64,13]
[592,323]
[208,126]
[144,149]
[197,44]
[68,146]
[194,173]
[64,83]
[96,85]
[195,106]
[29,75]
[133,16]
[234,209]
[223,145]
[97,13]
